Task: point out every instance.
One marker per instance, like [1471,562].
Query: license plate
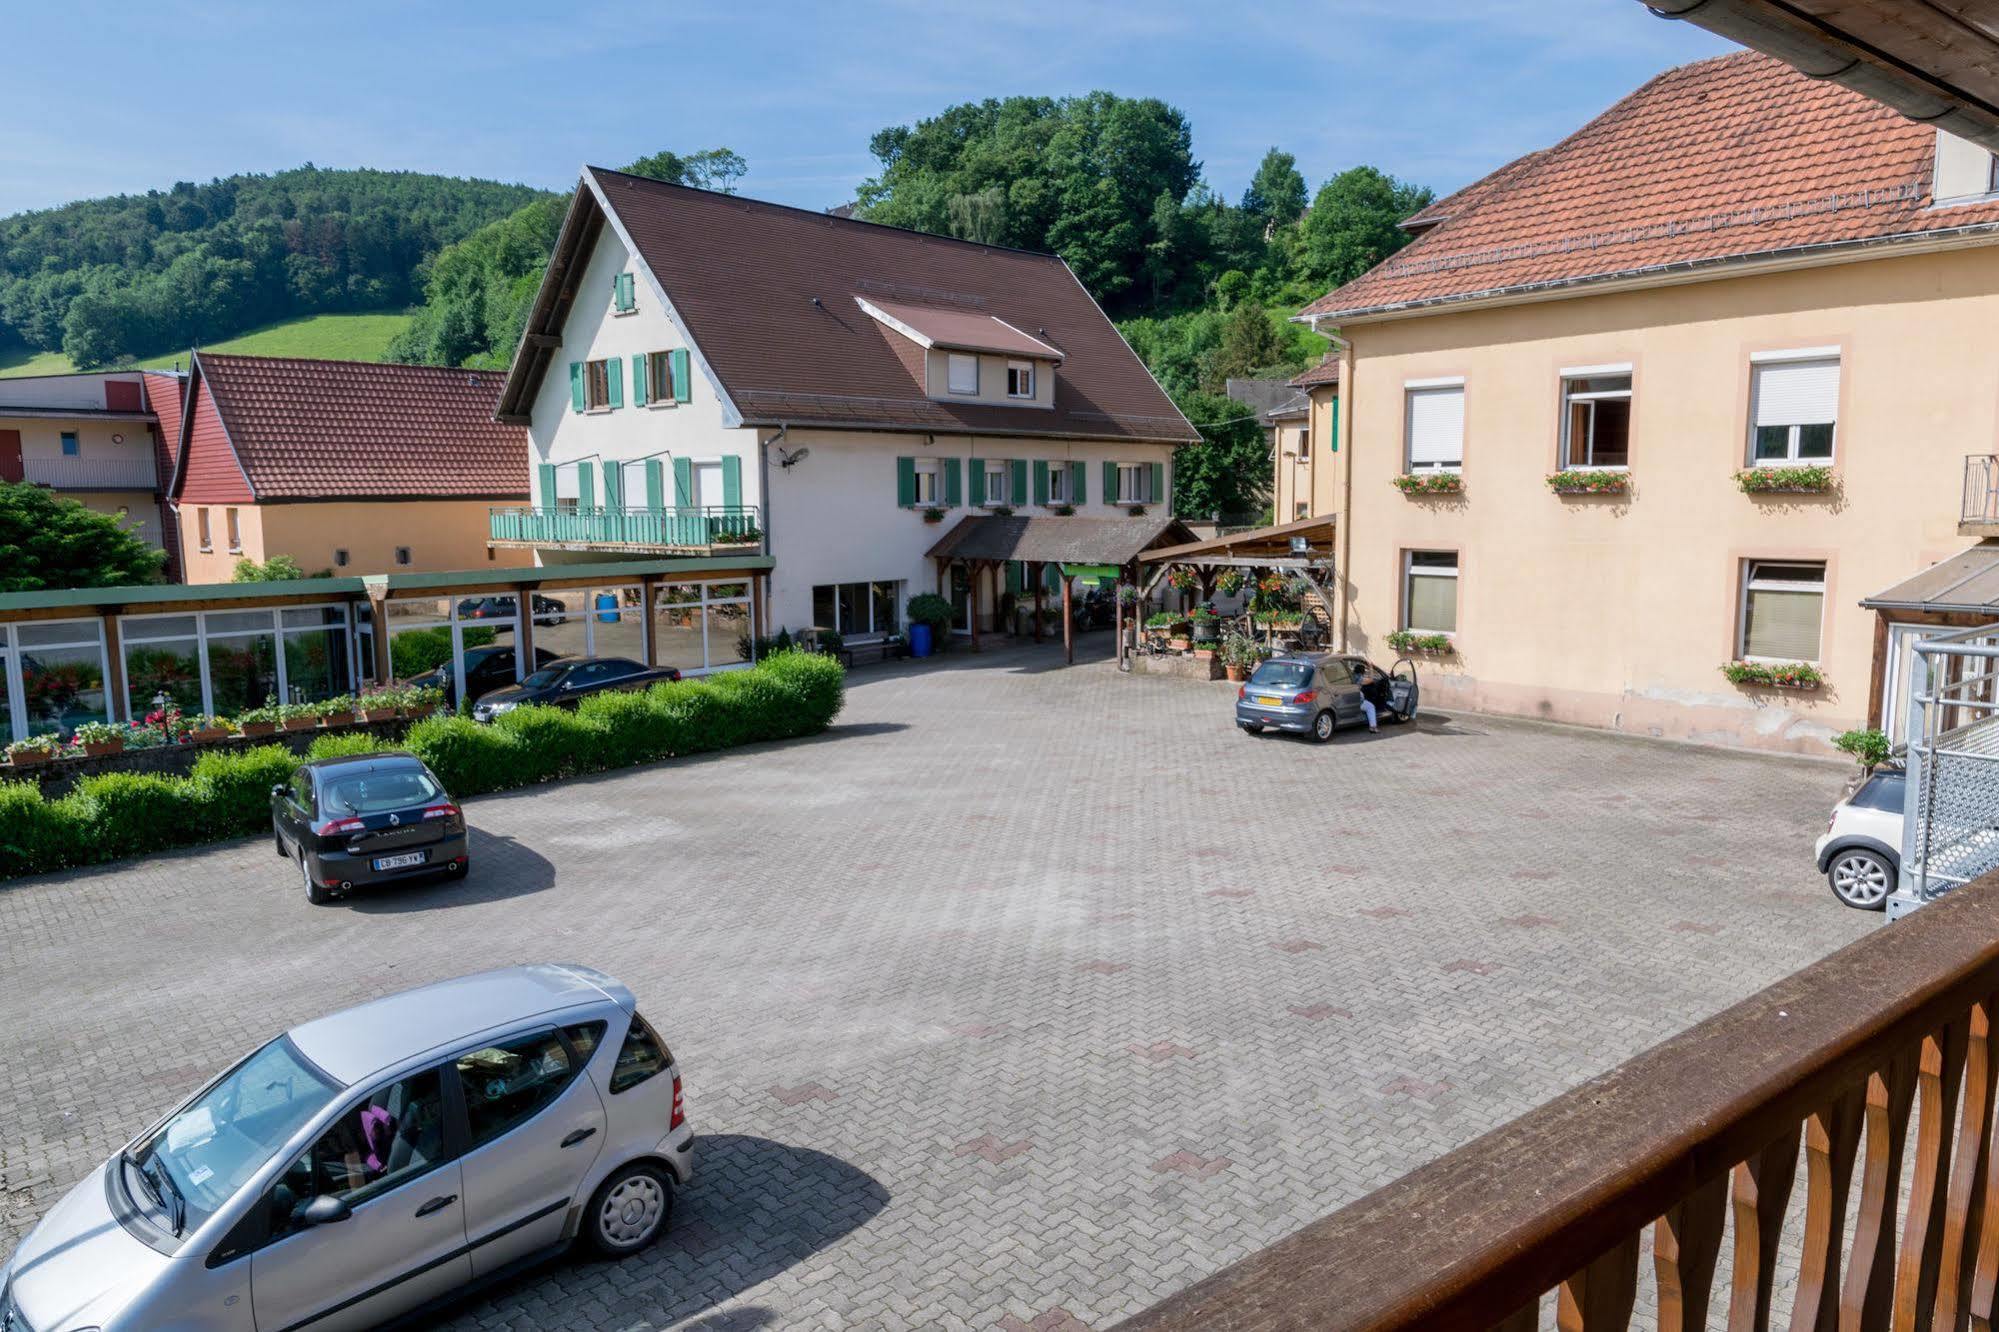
[1269,702]
[400,862]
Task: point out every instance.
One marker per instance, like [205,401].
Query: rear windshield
[1282,674]
[1881,791]
[382,789]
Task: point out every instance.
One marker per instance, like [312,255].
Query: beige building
[1569,398]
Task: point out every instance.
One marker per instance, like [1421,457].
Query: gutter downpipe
[1344,437]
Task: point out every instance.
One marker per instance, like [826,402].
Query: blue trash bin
[607,608]
[919,640]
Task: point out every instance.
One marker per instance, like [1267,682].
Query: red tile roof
[1731,158]
[164,392]
[321,430]
[768,294]
[1327,371]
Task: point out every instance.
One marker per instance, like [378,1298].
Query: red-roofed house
[341,465]
[1670,396]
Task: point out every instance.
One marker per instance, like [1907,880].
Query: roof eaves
[222,419]
[523,376]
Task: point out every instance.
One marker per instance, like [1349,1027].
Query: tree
[1228,472]
[1276,192]
[1354,224]
[48,542]
[1250,342]
[277,569]
[710,169]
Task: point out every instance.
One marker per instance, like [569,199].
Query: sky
[1433,91]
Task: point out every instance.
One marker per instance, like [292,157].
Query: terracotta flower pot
[251,730]
[378,714]
[1238,673]
[1179,644]
[208,735]
[300,723]
[338,719]
[104,747]
[28,758]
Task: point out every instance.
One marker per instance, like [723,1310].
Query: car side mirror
[324,1211]
[280,790]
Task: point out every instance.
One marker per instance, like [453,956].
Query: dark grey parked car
[1315,695]
[347,821]
[567,681]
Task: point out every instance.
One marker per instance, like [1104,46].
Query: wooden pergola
[1304,548]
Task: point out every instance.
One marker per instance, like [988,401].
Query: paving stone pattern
[1025,997]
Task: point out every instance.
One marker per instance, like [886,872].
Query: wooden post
[972,570]
[1034,573]
[115,702]
[1068,620]
[648,593]
[523,629]
[378,607]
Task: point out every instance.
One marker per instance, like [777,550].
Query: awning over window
[1967,582]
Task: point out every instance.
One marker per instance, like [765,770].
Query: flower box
[1179,643]
[1136,511]
[253,729]
[1430,483]
[1433,645]
[1785,480]
[933,515]
[378,714]
[103,748]
[299,723]
[1589,481]
[1796,675]
[208,735]
[337,719]
[27,758]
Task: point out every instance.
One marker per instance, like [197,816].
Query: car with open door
[1317,693]
[370,1165]
[567,681]
[372,818]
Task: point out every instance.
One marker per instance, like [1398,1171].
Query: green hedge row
[228,794]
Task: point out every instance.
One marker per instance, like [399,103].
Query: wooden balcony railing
[1879,1062]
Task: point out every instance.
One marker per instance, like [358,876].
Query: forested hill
[113,280]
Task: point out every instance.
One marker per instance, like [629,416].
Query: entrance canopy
[1057,540]
[1966,583]
[1305,544]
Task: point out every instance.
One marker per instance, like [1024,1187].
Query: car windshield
[546,676]
[1281,674]
[377,790]
[186,1169]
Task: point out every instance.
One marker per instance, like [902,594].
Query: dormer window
[964,373]
[1020,379]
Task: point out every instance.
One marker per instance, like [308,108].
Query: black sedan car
[567,681]
[547,610]
[371,819]
[486,669]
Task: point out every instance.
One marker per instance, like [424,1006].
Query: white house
[702,373]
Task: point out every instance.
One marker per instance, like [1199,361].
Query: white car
[1861,852]
[372,1163]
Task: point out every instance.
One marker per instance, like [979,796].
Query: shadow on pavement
[755,1209]
[501,868]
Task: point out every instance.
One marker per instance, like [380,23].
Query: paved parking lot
[1022,998]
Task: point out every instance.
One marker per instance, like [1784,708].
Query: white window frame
[952,362]
[1747,583]
[929,483]
[999,480]
[1134,483]
[1583,374]
[1758,362]
[17,693]
[748,601]
[1409,568]
[1058,483]
[1410,389]
[232,522]
[1020,379]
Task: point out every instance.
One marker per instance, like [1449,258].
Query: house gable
[206,468]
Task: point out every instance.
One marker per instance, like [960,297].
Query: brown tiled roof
[962,330]
[768,295]
[317,430]
[1732,158]
[1057,539]
[1327,371]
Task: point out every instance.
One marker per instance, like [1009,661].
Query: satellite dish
[796,455]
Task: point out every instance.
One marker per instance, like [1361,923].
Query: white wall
[992,379]
[85,391]
[691,430]
[833,517]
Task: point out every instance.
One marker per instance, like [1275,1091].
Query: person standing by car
[1373,696]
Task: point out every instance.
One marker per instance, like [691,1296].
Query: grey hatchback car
[1317,694]
[370,1164]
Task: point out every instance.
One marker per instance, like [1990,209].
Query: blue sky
[1437,92]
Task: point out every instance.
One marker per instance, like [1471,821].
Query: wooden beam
[542,339]
[1036,572]
[1068,620]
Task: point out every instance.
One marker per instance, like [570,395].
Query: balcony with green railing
[703,528]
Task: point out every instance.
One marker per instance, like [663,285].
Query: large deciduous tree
[48,542]
[1355,224]
[1228,472]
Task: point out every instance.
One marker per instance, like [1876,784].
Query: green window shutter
[639,379]
[1110,483]
[905,482]
[577,399]
[683,384]
[1078,487]
[624,293]
[1013,578]
[978,482]
[586,486]
[614,378]
[683,483]
[614,486]
[1040,481]
[1016,491]
[1158,495]
[547,474]
[954,489]
[655,485]
[732,482]
[1336,425]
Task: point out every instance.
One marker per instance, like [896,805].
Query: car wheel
[1250,728]
[1861,878]
[314,893]
[630,1210]
[1322,727]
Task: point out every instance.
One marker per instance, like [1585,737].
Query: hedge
[228,794]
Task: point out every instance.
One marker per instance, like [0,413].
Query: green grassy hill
[334,337]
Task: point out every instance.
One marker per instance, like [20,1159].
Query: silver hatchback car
[371,1163]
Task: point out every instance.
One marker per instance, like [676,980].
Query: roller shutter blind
[1436,425]
[1783,606]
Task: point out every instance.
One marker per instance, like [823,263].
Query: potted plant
[1136,511]
[422,700]
[1808,480]
[35,749]
[933,514]
[1062,510]
[1183,579]
[1408,640]
[1869,748]
[298,716]
[378,704]
[1798,675]
[100,738]
[1205,622]
[203,729]
[1430,483]
[1229,582]
[258,721]
[337,711]
[1589,481]
[1002,511]
[1240,656]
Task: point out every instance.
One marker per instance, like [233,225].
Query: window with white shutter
[1783,604]
[1793,410]
[1434,418]
[1430,591]
[962,373]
